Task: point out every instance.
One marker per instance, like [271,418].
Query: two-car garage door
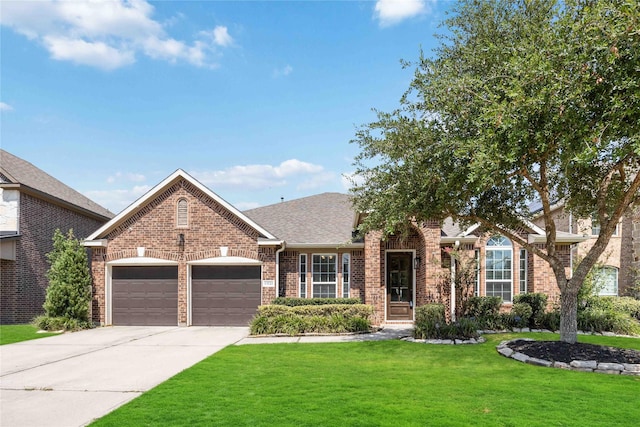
[220,295]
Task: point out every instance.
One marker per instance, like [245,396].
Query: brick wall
[154,227]
[23,282]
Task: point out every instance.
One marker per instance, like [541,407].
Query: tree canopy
[522,101]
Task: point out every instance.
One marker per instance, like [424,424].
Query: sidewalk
[389,332]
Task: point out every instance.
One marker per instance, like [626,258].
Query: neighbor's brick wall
[23,286]
[154,228]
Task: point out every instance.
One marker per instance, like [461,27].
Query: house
[33,205]
[619,265]
[182,255]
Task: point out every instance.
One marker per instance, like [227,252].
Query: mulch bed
[558,351]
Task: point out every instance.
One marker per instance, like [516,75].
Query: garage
[144,295]
[224,295]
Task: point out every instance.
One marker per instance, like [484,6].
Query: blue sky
[257,100]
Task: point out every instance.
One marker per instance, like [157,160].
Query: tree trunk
[569,315]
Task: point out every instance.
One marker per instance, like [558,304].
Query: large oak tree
[522,101]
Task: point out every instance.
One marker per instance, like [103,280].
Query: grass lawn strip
[10,334]
[387,383]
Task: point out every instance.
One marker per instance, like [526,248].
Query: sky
[258,100]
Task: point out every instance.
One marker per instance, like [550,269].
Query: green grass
[10,334]
[389,383]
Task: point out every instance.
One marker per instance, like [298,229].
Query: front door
[399,286]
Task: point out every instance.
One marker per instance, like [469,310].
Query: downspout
[453,283]
[278,252]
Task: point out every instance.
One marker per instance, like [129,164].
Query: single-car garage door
[224,295]
[144,295]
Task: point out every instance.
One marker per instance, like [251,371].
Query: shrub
[485,311]
[430,324]
[518,317]
[538,304]
[69,291]
[601,320]
[47,323]
[550,320]
[628,305]
[333,318]
[294,302]
[429,318]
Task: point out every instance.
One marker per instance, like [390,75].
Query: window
[476,292]
[345,275]
[182,217]
[324,275]
[606,280]
[523,271]
[498,280]
[303,276]
[595,227]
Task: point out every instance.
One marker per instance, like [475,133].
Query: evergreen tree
[69,291]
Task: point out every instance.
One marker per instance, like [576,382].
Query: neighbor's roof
[322,220]
[29,179]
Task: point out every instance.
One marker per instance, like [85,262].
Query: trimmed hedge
[294,302]
[325,319]
[538,304]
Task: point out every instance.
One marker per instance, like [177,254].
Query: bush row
[330,319]
[294,302]
[46,323]
[430,324]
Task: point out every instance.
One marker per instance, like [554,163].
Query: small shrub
[601,320]
[47,323]
[429,318]
[550,320]
[294,302]
[485,311]
[538,304]
[519,317]
[628,305]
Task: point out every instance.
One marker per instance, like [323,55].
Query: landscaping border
[575,365]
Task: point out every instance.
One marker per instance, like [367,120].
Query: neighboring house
[617,267]
[33,205]
[181,255]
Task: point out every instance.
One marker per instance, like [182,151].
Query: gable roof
[166,183]
[22,175]
[322,220]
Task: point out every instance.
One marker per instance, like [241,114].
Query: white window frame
[476,292]
[346,277]
[602,290]
[329,283]
[524,273]
[302,276]
[182,221]
[503,247]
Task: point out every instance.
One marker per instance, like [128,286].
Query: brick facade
[154,227]
[23,281]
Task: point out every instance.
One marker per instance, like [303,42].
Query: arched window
[182,217]
[498,268]
[606,280]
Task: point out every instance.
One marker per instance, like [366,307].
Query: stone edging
[575,365]
[478,340]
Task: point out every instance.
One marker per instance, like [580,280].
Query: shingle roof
[325,218]
[19,171]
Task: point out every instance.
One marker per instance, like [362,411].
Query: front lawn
[10,334]
[387,383]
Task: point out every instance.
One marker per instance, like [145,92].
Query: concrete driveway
[74,378]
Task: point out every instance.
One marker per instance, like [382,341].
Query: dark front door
[399,286]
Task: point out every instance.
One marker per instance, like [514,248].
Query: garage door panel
[225,295]
[145,296]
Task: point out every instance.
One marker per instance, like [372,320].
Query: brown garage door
[145,295]
[224,295]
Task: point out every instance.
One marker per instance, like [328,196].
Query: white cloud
[108,34]
[129,176]
[5,107]
[316,181]
[350,179]
[221,36]
[283,72]
[245,206]
[391,12]
[257,177]
[117,200]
